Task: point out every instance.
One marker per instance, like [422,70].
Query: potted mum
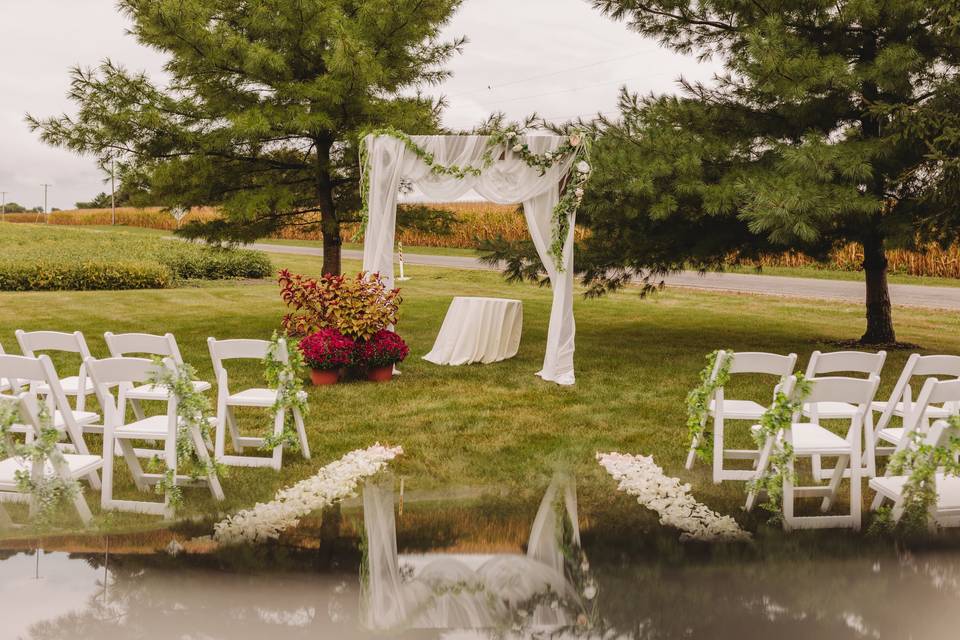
[326,352]
[379,353]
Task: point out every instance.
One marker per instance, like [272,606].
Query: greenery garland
[287,379]
[576,145]
[923,461]
[193,411]
[774,421]
[698,402]
[48,491]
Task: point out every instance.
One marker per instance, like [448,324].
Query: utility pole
[3,206]
[46,214]
[113,194]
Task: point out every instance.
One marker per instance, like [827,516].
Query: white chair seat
[152,392]
[83,418]
[893,435]
[740,409]
[70,386]
[948,489]
[812,439]
[933,412]
[80,465]
[150,428]
[832,410]
[253,398]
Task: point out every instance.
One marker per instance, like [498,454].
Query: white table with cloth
[478,330]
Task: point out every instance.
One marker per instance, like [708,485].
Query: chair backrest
[856,391]
[122,372]
[917,366]
[122,344]
[32,341]
[844,362]
[23,370]
[764,363]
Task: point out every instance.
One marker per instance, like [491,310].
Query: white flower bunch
[583,166]
[640,477]
[517,148]
[333,483]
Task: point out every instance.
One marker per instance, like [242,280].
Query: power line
[549,74]
[560,91]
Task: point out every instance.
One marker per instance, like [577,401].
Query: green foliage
[698,401]
[101,201]
[287,379]
[773,423]
[43,258]
[13,207]
[833,122]
[193,412]
[263,105]
[47,491]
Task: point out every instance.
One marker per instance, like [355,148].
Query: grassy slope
[495,424]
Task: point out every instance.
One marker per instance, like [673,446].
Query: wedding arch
[546,173]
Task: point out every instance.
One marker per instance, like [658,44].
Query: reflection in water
[504,591]
[418,580]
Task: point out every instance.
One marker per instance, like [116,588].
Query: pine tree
[264,106]
[834,122]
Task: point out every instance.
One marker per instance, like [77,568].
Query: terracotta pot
[324,376]
[380,374]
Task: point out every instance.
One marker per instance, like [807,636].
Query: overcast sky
[559,58]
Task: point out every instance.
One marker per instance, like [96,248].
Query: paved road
[910,295]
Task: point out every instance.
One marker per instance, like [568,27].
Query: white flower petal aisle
[639,476]
[333,483]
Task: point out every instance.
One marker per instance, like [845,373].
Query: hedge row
[45,258]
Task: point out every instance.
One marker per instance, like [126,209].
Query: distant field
[479,221]
[46,258]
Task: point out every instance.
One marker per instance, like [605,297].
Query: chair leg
[94,479]
[234,431]
[788,496]
[106,491]
[302,433]
[278,421]
[220,432]
[856,499]
[134,464]
[762,463]
[877,502]
[213,481]
[835,479]
[717,449]
[692,454]
[137,409]
[870,448]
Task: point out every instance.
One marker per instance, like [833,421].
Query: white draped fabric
[507,181]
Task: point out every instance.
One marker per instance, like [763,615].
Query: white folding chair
[809,439]
[837,362]
[4,383]
[900,404]
[723,409]
[165,346]
[69,466]
[124,374]
[934,392]
[946,511]
[79,385]
[221,350]
[20,371]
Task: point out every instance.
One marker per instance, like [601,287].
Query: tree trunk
[329,222]
[332,243]
[879,316]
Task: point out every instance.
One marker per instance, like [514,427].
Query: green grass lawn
[496,425]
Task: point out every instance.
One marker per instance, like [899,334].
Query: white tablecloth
[478,330]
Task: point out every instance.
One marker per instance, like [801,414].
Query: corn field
[478,221]
[933,260]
